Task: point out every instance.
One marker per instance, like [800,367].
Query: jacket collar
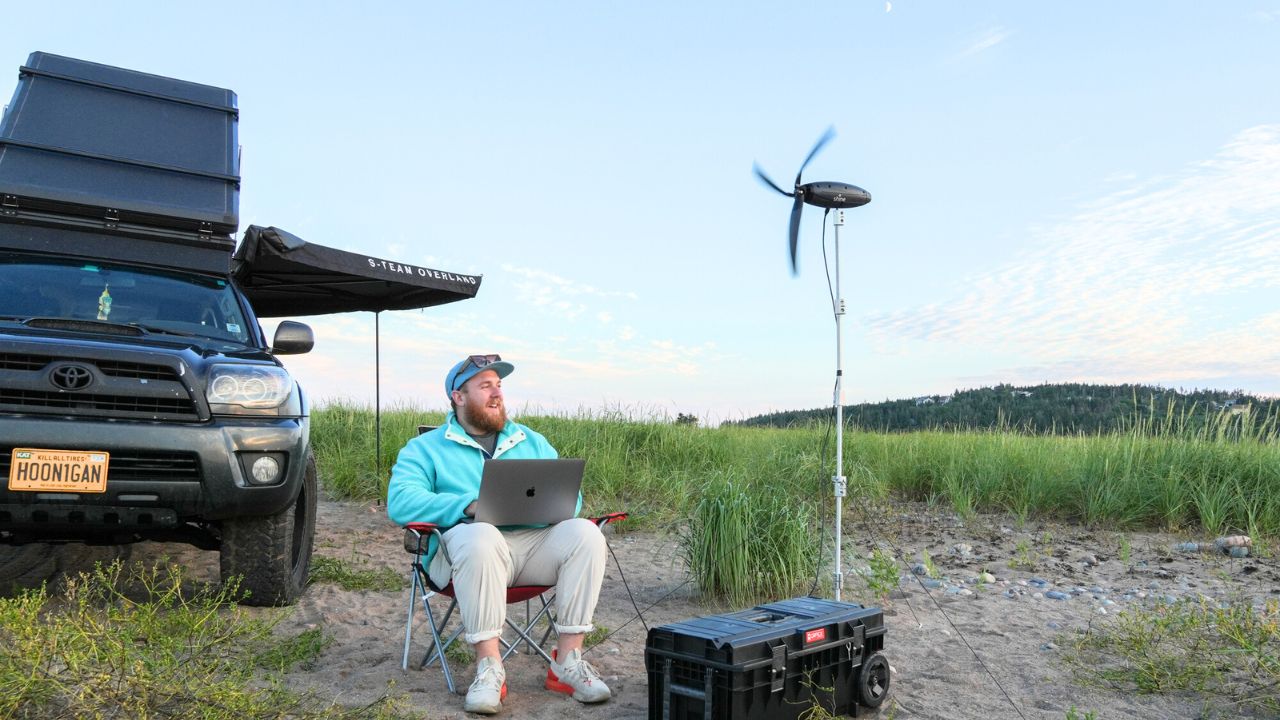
[508,437]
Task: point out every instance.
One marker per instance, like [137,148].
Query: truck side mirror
[293,338]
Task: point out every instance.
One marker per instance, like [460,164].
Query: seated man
[436,479]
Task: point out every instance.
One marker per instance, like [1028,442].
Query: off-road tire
[271,554]
[24,567]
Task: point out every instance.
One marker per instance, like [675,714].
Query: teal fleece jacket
[437,474]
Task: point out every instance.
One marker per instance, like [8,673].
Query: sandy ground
[964,649]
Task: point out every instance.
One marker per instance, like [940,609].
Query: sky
[1066,192]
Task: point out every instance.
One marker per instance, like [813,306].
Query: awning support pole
[377,390]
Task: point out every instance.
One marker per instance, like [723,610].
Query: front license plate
[74,471]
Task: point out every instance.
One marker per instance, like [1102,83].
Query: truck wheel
[272,553]
[23,567]
[873,681]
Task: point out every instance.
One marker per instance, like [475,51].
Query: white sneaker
[489,689]
[576,677]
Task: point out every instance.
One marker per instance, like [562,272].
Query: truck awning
[284,275]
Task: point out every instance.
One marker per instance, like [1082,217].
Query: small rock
[1038,596]
[1096,589]
[962,549]
[1231,541]
[1049,647]
[1102,611]
[1239,552]
[964,592]
[931,583]
[919,569]
[1039,582]
[1187,547]
[987,577]
[1091,560]
[1053,625]
[1057,595]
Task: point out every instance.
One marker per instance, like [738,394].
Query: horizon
[1085,193]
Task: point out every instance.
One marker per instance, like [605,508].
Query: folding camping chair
[416,537]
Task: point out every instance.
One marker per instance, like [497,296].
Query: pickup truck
[139,397]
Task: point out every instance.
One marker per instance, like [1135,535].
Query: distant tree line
[1068,408]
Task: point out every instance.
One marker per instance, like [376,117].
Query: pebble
[1102,611]
[1038,596]
[1011,594]
[1057,595]
[1038,582]
[1054,625]
[987,578]
[919,569]
[1096,589]
[1239,552]
[931,583]
[1232,541]
[964,592]
[1049,647]
[1091,560]
[962,549]
[1187,547]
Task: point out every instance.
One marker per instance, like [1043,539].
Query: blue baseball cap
[471,366]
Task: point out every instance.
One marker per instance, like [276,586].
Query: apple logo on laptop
[530,492]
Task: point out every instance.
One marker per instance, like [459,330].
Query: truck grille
[136,371]
[138,465]
[111,405]
[13,361]
[125,390]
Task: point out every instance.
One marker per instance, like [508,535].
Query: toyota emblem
[71,377]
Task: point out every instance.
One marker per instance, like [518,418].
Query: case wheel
[873,681]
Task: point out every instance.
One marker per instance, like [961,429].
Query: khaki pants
[483,562]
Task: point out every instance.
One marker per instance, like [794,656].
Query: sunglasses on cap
[479,361]
[483,360]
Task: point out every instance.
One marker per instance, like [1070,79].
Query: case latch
[779,668]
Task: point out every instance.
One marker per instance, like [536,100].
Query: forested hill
[1065,408]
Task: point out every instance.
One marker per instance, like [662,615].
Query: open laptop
[529,492]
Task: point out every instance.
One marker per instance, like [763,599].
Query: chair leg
[440,646]
[408,625]
[523,633]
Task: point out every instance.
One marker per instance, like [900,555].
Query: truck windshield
[156,300]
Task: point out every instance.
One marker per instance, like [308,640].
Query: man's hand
[471,509]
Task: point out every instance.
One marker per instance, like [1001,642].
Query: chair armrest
[416,535]
[610,518]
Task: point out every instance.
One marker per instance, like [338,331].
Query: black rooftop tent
[284,275]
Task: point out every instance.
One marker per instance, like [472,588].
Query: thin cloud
[989,38]
[1127,287]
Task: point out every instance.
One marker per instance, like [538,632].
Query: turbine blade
[794,235]
[826,138]
[765,179]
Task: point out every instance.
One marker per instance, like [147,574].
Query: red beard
[484,418]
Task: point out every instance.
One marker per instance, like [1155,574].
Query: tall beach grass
[705,482]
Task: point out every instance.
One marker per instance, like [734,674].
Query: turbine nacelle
[829,195]
[834,195]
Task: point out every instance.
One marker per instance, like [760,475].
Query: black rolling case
[773,661]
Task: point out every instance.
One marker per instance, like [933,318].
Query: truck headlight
[256,387]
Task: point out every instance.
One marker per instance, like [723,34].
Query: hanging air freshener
[104,303]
